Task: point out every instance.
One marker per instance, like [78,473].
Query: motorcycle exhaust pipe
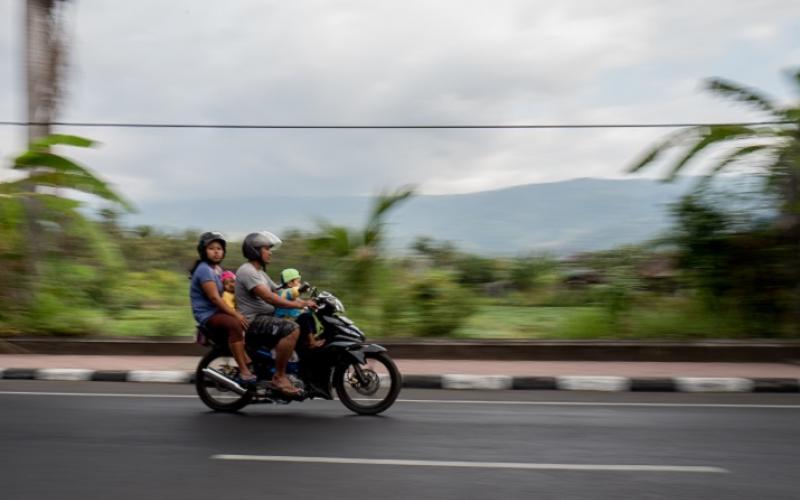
[222,379]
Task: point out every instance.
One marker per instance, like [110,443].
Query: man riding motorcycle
[256,298]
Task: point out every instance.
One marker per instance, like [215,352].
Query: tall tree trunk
[41,71]
[40,66]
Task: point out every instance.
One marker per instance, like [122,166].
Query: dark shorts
[266,331]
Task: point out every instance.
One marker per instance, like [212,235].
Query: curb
[454,381]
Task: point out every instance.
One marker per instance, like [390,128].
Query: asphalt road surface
[95,440]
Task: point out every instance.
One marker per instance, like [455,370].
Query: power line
[384,127]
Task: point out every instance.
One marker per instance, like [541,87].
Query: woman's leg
[233,329]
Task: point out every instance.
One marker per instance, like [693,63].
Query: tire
[381,370]
[215,396]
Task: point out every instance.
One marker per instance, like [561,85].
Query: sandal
[245,381]
[295,394]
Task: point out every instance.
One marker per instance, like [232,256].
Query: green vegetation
[727,270]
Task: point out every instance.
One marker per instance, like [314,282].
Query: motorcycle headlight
[337,304]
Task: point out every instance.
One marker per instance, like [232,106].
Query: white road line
[431,401]
[95,394]
[592,403]
[477,465]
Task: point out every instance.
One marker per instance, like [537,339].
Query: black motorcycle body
[362,375]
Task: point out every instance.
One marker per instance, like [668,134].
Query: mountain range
[558,218]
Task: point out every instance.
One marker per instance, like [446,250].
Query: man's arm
[273,298]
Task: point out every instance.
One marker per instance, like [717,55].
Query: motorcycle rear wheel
[373,397]
[213,394]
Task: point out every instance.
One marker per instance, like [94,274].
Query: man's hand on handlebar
[307,303]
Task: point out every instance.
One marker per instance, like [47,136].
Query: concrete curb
[453,381]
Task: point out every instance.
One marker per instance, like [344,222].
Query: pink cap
[227,275]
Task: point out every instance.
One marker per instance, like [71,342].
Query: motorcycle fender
[357,351]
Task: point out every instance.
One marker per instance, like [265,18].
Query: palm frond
[337,240]
[733,157]
[710,136]
[373,232]
[86,184]
[57,202]
[738,92]
[36,159]
[62,140]
[385,201]
[654,153]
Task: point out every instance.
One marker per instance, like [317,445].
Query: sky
[360,62]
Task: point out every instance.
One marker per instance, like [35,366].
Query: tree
[360,247]
[45,62]
[776,146]
[49,175]
[51,172]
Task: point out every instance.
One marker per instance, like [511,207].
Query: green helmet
[289,274]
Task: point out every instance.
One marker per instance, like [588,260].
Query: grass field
[491,321]
[520,322]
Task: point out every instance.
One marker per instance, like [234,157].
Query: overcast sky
[392,62]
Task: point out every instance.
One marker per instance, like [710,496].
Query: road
[96,440]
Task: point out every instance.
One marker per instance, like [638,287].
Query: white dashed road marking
[476,465]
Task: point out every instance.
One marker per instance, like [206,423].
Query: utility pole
[44,51]
[43,59]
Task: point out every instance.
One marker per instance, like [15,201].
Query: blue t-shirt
[202,307]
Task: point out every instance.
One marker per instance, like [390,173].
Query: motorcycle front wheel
[368,388]
[214,394]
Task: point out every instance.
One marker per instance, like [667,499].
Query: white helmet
[251,246]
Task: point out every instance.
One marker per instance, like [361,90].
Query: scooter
[362,375]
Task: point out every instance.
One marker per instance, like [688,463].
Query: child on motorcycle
[291,283]
[289,290]
[228,286]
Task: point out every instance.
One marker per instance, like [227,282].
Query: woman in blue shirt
[210,311]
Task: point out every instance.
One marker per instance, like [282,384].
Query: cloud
[410,62]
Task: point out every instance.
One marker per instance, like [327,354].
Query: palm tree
[49,170]
[49,174]
[360,246]
[776,145]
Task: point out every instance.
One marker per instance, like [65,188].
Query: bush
[441,306]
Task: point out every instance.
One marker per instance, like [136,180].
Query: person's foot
[246,380]
[284,385]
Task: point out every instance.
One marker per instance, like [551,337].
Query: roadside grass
[519,322]
[671,320]
[164,321]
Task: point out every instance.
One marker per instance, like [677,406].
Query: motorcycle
[363,375]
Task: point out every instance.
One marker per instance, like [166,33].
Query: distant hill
[559,217]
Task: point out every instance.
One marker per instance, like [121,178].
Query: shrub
[440,305]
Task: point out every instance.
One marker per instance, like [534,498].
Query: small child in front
[228,283]
[290,290]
